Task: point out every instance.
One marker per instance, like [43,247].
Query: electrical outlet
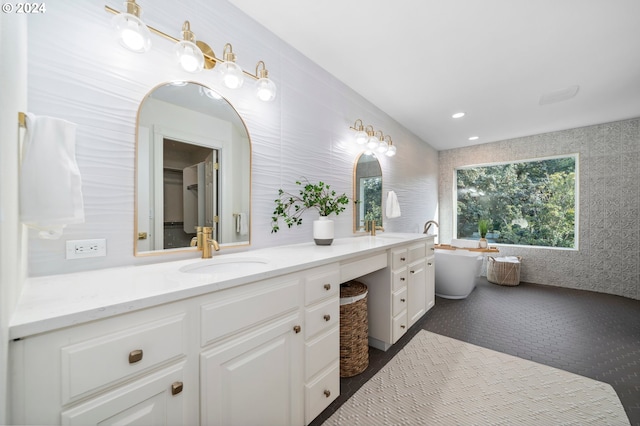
[81,249]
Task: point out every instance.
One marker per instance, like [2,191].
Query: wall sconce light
[231,72]
[265,88]
[361,136]
[192,55]
[391,148]
[131,32]
[373,140]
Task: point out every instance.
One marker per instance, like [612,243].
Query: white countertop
[52,302]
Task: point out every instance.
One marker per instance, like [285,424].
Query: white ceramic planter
[323,231]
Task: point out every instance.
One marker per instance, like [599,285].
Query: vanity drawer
[399,326]
[399,258]
[398,279]
[321,317]
[321,392]
[417,251]
[321,283]
[237,309]
[363,266]
[94,363]
[399,302]
[321,351]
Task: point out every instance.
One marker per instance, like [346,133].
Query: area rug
[436,380]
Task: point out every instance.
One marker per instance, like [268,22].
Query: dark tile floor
[591,334]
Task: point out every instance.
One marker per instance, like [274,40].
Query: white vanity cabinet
[401,293]
[130,369]
[251,363]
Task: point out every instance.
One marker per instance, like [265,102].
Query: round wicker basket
[354,329]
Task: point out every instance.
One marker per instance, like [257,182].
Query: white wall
[81,74]
[13,87]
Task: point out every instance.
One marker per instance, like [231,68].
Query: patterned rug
[436,380]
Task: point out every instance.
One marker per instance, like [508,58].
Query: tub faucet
[428,225]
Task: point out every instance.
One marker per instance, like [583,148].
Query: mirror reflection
[367,188]
[193,168]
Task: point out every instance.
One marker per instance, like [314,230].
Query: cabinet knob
[403,327]
[327,393]
[176,388]
[297,329]
[413,272]
[403,300]
[403,259]
[327,317]
[402,279]
[327,287]
[433,248]
[430,264]
[135,356]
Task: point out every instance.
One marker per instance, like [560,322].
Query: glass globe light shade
[232,76]
[131,32]
[372,143]
[361,137]
[382,147]
[391,151]
[190,56]
[265,89]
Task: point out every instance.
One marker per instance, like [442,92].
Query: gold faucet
[370,226]
[208,243]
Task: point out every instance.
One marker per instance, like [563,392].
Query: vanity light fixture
[361,136]
[373,140]
[134,35]
[391,151]
[265,89]
[190,57]
[231,72]
[131,32]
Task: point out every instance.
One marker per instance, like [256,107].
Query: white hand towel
[244,223]
[393,207]
[50,183]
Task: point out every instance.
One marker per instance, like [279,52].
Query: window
[526,203]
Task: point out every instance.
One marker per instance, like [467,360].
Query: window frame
[576,225]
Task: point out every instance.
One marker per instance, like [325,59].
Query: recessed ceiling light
[458,115]
[474,138]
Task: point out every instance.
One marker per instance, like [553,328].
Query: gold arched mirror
[367,190]
[193,168]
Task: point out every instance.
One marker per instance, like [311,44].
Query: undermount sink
[223,266]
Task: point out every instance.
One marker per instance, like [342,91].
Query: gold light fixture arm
[358,127]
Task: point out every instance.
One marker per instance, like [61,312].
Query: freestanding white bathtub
[456,272]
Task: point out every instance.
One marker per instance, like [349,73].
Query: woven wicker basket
[503,273]
[354,329]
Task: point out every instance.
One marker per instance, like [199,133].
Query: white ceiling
[420,61]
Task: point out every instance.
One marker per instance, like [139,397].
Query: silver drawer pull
[135,356]
[327,317]
[327,287]
[327,393]
[176,388]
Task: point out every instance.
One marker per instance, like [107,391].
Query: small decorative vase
[483,244]
[323,231]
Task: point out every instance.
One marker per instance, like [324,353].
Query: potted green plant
[483,228]
[318,196]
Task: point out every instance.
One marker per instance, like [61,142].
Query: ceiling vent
[559,95]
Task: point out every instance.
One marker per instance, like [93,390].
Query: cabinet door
[255,378]
[431,282]
[157,399]
[417,291]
